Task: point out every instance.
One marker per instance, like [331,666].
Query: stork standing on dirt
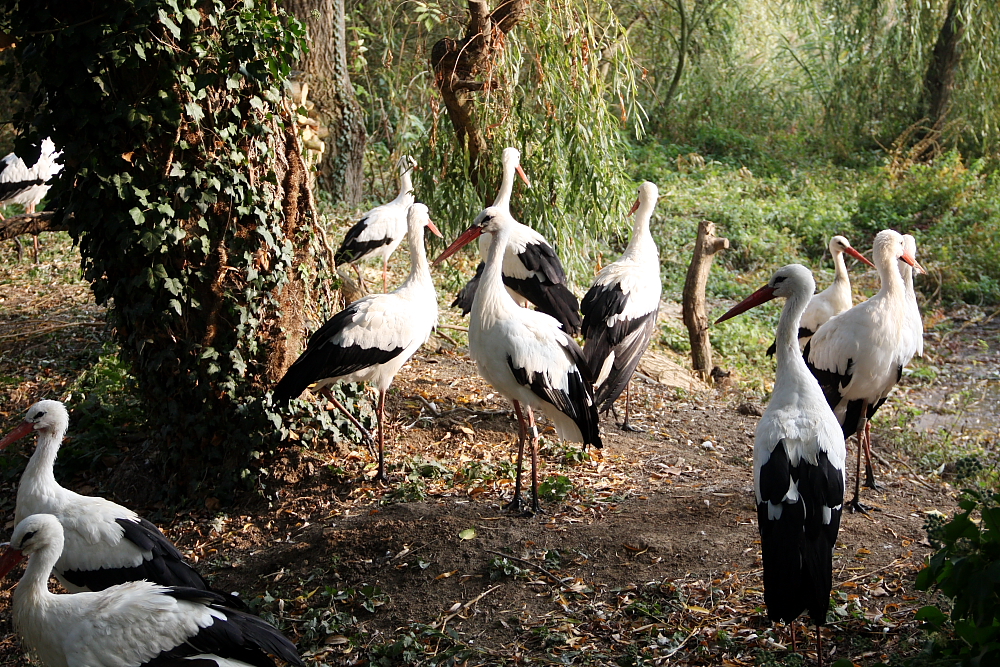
[371,339]
[105,544]
[129,625]
[858,356]
[380,230]
[532,271]
[799,468]
[525,354]
[835,299]
[15,172]
[619,310]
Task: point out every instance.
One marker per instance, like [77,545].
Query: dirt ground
[646,552]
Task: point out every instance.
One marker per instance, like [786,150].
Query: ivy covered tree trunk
[342,167]
[189,203]
[939,81]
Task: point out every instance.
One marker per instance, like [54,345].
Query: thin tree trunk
[694,310]
[939,82]
[682,49]
[457,63]
[342,166]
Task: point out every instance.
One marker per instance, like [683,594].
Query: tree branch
[31,223]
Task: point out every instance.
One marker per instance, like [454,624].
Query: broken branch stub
[694,307]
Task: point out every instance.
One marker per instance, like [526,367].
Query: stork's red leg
[385,276]
[794,647]
[819,645]
[626,426]
[361,281]
[535,507]
[869,470]
[325,391]
[380,476]
[855,504]
[515,505]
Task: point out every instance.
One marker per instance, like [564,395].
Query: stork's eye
[27,536]
[38,416]
[779,279]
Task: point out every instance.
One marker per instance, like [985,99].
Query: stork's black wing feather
[11,190]
[353,248]
[323,359]
[547,289]
[467,295]
[576,401]
[240,636]
[803,333]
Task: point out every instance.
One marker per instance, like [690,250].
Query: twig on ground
[446,337]
[479,413]
[463,607]
[530,564]
[23,335]
[453,327]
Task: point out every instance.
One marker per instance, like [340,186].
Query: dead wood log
[694,309]
[31,223]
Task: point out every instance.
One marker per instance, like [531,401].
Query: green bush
[966,569]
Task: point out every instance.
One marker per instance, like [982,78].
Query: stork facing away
[916,345]
[619,310]
[835,299]
[859,355]
[799,468]
[526,355]
[532,271]
[28,185]
[371,339]
[380,230]
[105,544]
[136,624]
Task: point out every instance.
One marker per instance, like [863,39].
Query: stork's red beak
[857,255]
[520,172]
[635,207]
[9,559]
[434,230]
[23,429]
[467,237]
[763,295]
[908,258]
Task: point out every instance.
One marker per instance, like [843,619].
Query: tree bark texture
[459,63]
[694,309]
[939,82]
[31,223]
[341,171]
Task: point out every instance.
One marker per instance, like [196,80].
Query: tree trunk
[682,48]
[939,82]
[695,314]
[341,170]
[457,63]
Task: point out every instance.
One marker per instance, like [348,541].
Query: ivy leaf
[171,26]
[194,111]
[467,534]
[176,305]
[257,103]
[193,15]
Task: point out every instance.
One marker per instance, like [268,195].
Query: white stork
[916,346]
[532,271]
[371,339]
[799,467]
[380,230]
[136,624]
[835,299]
[619,310]
[526,355]
[106,544]
[28,185]
[858,356]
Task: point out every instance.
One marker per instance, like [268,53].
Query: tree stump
[695,315]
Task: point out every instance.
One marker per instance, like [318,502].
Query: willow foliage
[566,98]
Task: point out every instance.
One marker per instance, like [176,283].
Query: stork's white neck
[39,476]
[888,272]
[506,183]
[641,242]
[32,596]
[420,270]
[405,187]
[492,298]
[790,361]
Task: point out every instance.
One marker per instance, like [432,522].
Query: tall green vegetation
[188,199]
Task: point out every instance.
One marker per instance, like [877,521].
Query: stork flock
[135,599]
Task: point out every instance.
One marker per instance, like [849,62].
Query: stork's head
[648,194]
[35,533]
[839,244]
[406,163]
[511,159]
[48,417]
[489,221]
[786,281]
[889,246]
[418,215]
